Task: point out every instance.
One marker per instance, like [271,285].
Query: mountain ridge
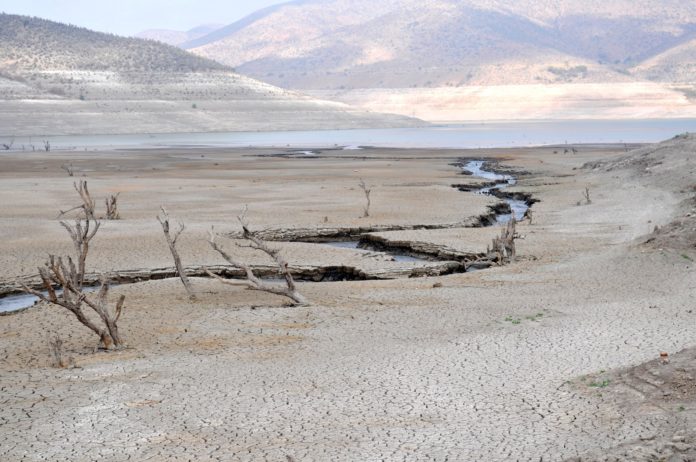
[336,47]
[436,33]
[176,37]
[61,79]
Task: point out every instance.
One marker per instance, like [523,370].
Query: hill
[176,37]
[59,79]
[344,47]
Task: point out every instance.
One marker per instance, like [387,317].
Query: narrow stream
[19,302]
[398,257]
[519,207]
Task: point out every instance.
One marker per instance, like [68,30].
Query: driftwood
[252,281]
[367,191]
[312,273]
[171,242]
[504,245]
[63,281]
[112,207]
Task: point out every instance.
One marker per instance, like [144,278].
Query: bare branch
[367,191]
[87,204]
[112,207]
[70,277]
[253,282]
[229,282]
[586,196]
[119,307]
[171,242]
[504,245]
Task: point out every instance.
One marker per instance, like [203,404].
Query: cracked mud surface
[485,366]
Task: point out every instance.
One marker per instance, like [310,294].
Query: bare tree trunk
[367,191]
[171,242]
[254,283]
[112,207]
[59,360]
[504,245]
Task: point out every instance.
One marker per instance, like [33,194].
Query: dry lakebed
[416,344]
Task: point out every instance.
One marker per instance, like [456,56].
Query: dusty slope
[404,43]
[452,58]
[57,79]
[643,100]
[486,367]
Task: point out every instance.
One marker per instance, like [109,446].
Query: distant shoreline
[484,135]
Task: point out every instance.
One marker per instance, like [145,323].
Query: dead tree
[55,347]
[586,196]
[504,245]
[7,146]
[530,215]
[112,207]
[69,169]
[367,191]
[171,241]
[63,280]
[87,205]
[253,282]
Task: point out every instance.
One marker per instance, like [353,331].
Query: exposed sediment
[308,273]
[420,249]
[320,234]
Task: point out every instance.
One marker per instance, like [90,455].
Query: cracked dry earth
[524,362]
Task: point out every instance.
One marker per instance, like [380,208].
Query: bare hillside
[176,37]
[409,43]
[59,79]
[407,53]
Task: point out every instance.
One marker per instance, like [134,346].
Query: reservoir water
[470,135]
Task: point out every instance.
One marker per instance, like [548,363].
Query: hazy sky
[128,17]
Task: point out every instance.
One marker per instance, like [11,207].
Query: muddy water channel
[496,184]
[518,207]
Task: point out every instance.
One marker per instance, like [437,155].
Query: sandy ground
[625,100]
[500,364]
[48,117]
